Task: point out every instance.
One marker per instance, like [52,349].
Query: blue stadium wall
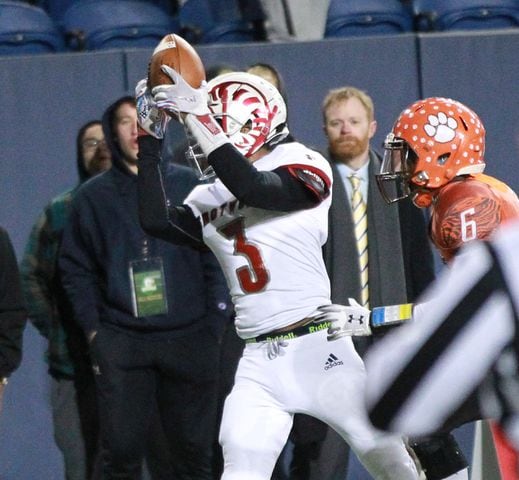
[45,99]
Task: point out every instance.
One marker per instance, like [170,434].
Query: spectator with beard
[399,262]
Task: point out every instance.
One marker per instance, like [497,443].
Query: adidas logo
[332,361]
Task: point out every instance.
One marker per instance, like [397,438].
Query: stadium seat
[103,24]
[56,8]
[215,21]
[169,6]
[27,29]
[229,22]
[195,17]
[438,15]
[367,17]
[234,31]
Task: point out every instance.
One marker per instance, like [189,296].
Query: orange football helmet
[433,141]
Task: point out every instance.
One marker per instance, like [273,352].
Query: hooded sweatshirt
[103,239]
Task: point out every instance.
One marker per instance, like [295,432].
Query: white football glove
[149,117]
[181,97]
[352,320]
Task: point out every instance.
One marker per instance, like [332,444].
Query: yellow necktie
[360,223]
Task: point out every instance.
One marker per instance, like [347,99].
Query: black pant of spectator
[179,376]
[88,414]
[158,456]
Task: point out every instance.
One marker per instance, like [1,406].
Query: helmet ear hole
[412,158]
[442,159]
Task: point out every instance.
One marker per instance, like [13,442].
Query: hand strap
[390,314]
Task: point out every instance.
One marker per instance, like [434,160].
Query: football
[177,53]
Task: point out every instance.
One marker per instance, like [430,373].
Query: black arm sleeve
[273,190]
[175,224]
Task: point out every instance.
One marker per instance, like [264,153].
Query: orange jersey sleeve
[470,208]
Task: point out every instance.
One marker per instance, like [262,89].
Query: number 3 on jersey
[254,277]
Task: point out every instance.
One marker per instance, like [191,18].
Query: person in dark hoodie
[152,312]
[73,402]
[12,312]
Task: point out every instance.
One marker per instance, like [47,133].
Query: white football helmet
[250,110]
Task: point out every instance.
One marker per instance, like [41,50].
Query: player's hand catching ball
[181,97]
[192,103]
[150,118]
[346,321]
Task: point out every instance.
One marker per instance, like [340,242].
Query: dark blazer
[400,267]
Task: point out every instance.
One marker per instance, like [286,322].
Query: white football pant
[313,376]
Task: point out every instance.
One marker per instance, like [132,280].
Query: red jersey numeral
[254,277]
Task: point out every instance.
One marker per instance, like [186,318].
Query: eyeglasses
[92,143]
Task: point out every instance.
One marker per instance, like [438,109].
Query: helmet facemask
[248,134]
[396,169]
[196,158]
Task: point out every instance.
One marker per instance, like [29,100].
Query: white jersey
[272,260]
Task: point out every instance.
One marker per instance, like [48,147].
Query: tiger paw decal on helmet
[441,127]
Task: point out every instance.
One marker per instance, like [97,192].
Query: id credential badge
[148,287]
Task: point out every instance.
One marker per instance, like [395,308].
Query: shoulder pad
[313,178]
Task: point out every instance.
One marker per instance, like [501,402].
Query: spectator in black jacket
[12,312]
[152,312]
